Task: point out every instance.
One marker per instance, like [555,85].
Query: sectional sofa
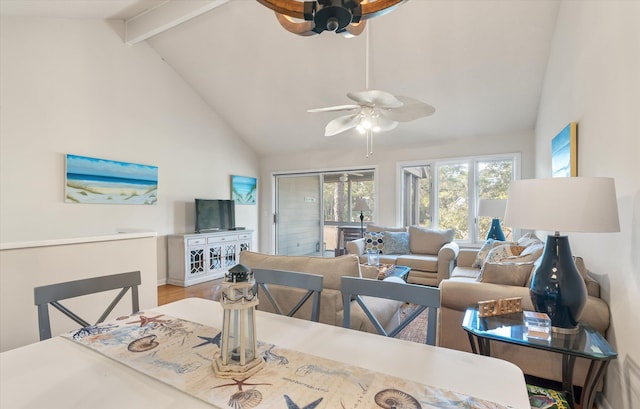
[471,282]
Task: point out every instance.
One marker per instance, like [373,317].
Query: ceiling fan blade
[341,124]
[385,124]
[410,110]
[375,97]
[334,108]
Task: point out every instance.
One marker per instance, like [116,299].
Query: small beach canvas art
[243,189]
[102,181]
[564,161]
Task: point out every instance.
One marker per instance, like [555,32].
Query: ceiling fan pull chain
[369,143]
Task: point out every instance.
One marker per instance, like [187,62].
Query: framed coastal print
[243,189]
[103,181]
[564,152]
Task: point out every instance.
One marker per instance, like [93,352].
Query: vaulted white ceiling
[480,63]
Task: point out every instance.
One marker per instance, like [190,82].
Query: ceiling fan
[345,17]
[375,110]
[345,176]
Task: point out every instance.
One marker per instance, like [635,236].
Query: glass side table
[510,328]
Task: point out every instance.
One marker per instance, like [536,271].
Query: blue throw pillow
[396,243]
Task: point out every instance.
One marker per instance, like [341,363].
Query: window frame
[472,188]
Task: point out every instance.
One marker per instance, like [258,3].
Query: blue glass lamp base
[495,232]
[557,287]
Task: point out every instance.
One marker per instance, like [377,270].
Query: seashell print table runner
[179,353]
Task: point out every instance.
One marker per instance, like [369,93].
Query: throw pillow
[396,243]
[507,252]
[527,249]
[428,241]
[485,249]
[506,273]
[529,239]
[374,241]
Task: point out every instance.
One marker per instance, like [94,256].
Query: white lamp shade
[492,207]
[573,204]
[361,205]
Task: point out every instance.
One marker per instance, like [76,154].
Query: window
[340,191]
[444,194]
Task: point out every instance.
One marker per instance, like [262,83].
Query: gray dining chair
[424,297]
[54,293]
[305,281]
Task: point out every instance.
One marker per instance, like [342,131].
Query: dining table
[61,373]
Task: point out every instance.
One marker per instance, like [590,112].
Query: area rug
[416,331]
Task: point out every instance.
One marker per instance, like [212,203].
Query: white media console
[199,257]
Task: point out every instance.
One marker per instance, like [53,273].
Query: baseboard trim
[162,282]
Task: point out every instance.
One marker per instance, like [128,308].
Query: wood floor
[169,293]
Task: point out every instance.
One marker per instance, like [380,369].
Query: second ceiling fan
[374,110]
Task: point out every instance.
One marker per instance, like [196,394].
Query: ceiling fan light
[376,128]
[361,129]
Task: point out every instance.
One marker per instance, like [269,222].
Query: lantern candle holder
[238,354]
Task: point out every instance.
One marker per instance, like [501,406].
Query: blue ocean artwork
[561,153]
[102,181]
[243,189]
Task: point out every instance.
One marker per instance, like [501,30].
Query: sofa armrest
[459,294]
[356,247]
[466,257]
[447,256]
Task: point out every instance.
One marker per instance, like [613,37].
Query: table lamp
[574,204]
[493,208]
[361,206]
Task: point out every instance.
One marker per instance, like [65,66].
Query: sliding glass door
[315,211]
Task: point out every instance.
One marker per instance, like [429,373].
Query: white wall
[56,261]
[593,78]
[386,159]
[73,86]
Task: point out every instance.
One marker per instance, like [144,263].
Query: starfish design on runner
[240,383]
[146,320]
[208,340]
[292,405]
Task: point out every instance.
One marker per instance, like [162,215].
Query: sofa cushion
[465,272]
[419,262]
[332,269]
[376,228]
[374,241]
[396,242]
[388,258]
[506,273]
[428,241]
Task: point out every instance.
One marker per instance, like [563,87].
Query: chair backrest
[54,293]
[424,297]
[310,282]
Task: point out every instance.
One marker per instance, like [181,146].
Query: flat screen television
[215,214]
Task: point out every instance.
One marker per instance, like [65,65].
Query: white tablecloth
[60,374]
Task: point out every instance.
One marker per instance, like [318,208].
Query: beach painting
[102,181]
[243,189]
[564,152]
